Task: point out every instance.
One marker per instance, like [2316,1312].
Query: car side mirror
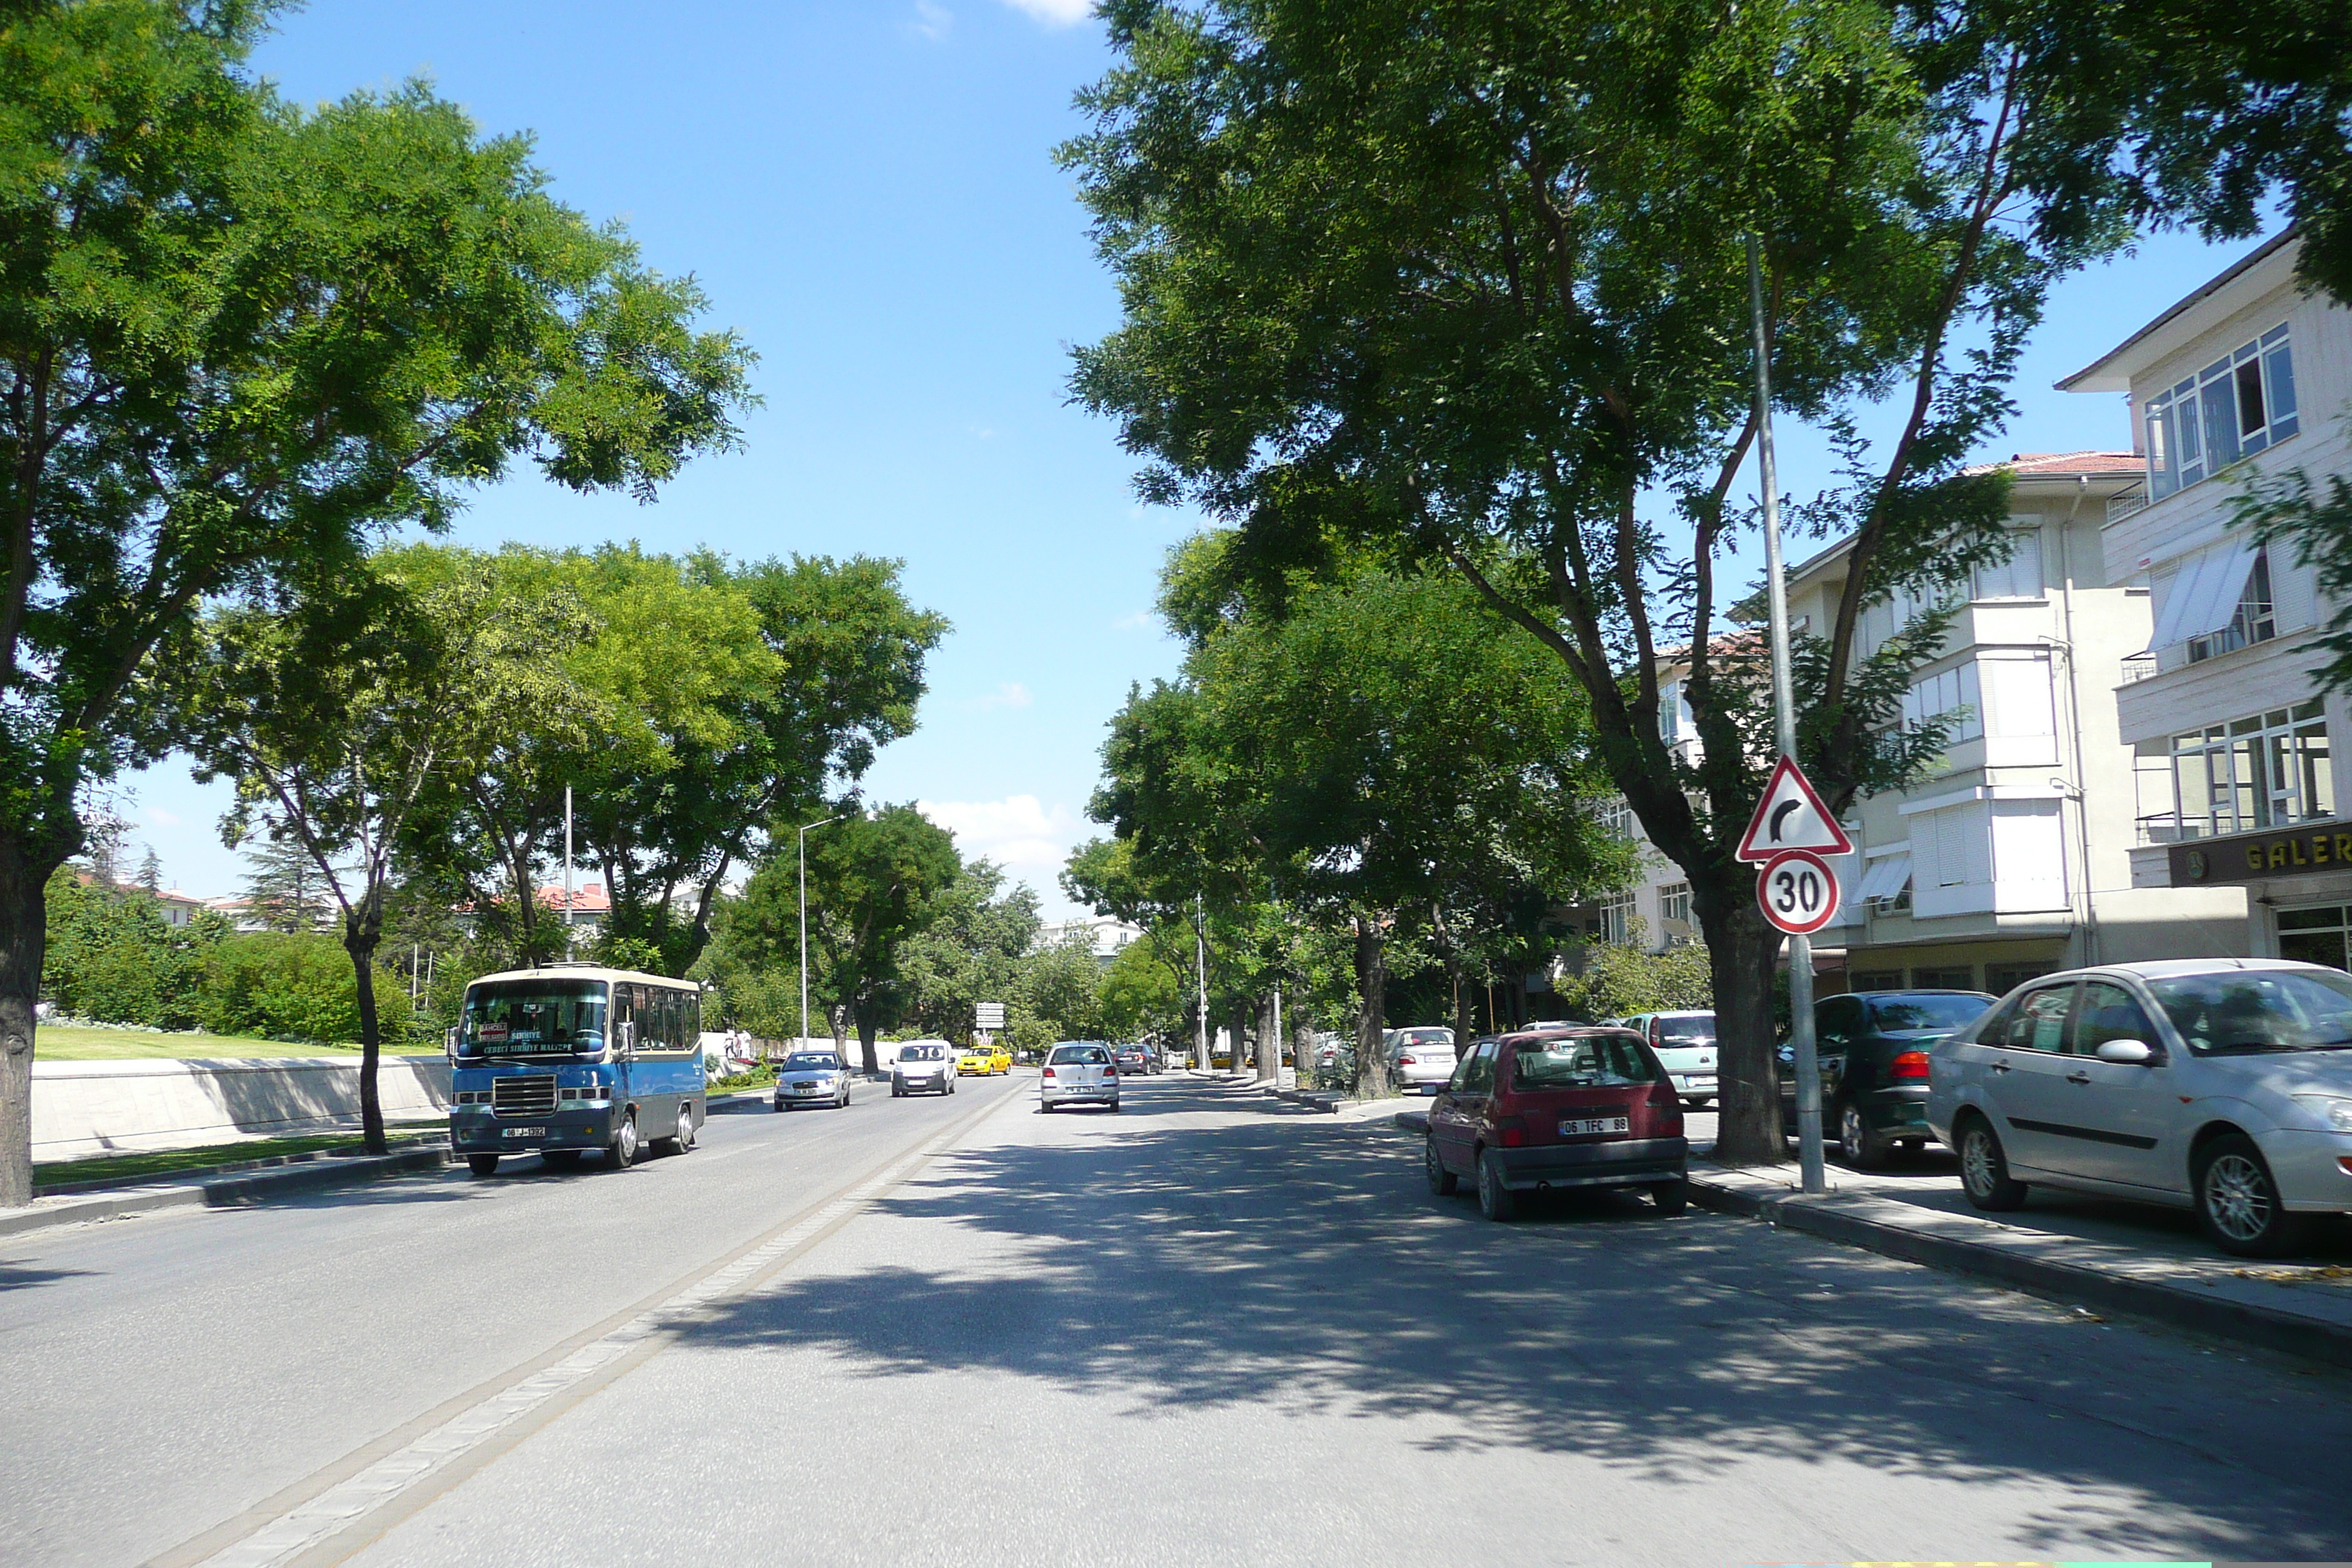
[2133,1051]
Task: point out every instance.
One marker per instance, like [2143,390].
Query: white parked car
[1420,1060]
[2219,1085]
[926,1067]
[1077,1072]
[1684,1043]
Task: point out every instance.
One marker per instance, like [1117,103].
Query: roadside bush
[1617,980]
[111,956]
[293,987]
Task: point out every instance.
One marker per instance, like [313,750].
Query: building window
[1943,693]
[2234,407]
[2019,576]
[1615,817]
[1674,904]
[2316,936]
[1883,980]
[2267,771]
[2253,621]
[2002,978]
[1963,978]
[1675,722]
[1617,921]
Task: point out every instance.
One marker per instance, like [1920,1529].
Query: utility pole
[1784,727]
[567,872]
[1200,957]
[802,838]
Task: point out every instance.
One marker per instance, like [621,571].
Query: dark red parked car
[1556,1109]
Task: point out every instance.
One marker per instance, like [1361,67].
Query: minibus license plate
[522,1133]
[1571,1126]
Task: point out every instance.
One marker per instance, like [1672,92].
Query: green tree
[110,955]
[1376,753]
[973,949]
[333,712]
[1470,283]
[283,890]
[236,336]
[875,880]
[1141,993]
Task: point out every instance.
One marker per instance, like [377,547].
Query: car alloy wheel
[2238,1200]
[623,1150]
[1442,1182]
[1496,1199]
[1984,1170]
[1855,1144]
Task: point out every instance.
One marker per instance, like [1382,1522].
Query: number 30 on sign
[1798,891]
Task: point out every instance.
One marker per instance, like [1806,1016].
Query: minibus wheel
[482,1164]
[622,1152]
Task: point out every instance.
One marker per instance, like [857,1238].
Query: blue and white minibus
[571,1057]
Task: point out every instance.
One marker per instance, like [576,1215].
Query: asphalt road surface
[1208,1329]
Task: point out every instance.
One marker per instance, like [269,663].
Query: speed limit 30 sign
[1798,891]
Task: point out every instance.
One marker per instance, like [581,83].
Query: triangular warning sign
[1791,817]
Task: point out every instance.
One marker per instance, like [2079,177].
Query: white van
[1684,1043]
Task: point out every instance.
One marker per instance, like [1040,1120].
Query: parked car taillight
[1511,1130]
[1109,1071]
[1666,1112]
[1049,1072]
[1408,1061]
[1908,1064]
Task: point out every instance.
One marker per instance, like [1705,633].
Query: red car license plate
[1571,1126]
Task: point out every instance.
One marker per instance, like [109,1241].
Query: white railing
[2120,507]
[2138,667]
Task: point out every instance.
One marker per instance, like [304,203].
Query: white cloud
[932,21]
[1134,623]
[161,818]
[1019,833]
[1011,694]
[1055,13]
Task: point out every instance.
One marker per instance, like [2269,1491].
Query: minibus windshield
[533,1017]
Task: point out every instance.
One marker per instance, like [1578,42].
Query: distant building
[1108,935]
[591,908]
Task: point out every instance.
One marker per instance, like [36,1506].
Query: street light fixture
[803,839]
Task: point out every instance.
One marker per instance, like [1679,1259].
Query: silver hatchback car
[811,1077]
[2221,1085]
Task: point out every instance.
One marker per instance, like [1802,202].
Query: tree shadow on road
[1176,1261]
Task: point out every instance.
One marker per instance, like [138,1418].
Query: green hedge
[113,957]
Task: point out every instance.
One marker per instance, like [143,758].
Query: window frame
[2182,452]
[2266,771]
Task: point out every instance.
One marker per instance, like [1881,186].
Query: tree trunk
[23,933]
[837,1019]
[1269,1042]
[1372,1008]
[1302,1046]
[1740,949]
[360,943]
[1240,1027]
[867,1028]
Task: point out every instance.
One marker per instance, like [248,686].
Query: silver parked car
[811,1077]
[1684,1042]
[1420,1060]
[1077,1072]
[924,1067]
[2221,1085]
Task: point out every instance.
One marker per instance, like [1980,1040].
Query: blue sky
[868,193]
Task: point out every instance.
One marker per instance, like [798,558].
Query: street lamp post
[802,839]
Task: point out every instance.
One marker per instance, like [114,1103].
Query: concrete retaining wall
[97,1107]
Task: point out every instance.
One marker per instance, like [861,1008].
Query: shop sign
[2255,856]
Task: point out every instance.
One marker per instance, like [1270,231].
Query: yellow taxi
[973,1060]
[1001,1058]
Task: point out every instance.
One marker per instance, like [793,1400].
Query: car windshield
[1608,1061]
[1693,1029]
[811,1061]
[922,1054]
[1080,1055]
[533,1017]
[2259,1010]
[1896,1014]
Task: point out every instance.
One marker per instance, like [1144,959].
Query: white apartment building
[2238,785]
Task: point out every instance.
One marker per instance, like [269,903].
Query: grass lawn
[66,1043]
[176,1162]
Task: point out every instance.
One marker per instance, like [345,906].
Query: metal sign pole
[1784,725]
[1200,956]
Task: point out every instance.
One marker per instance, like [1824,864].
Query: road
[1211,1329]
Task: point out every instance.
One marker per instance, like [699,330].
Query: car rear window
[1695,1029]
[1079,1055]
[1605,1061]
[1426,1039]
[1898,1013]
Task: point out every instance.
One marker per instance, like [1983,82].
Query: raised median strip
[225,1188]
[2268,1307]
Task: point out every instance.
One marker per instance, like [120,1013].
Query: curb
[231,1192]
[236,1168]
[2069,1283]
[1314,1099]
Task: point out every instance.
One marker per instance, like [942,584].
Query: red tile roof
[2049,463]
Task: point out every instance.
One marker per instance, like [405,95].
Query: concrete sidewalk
[252,1182]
